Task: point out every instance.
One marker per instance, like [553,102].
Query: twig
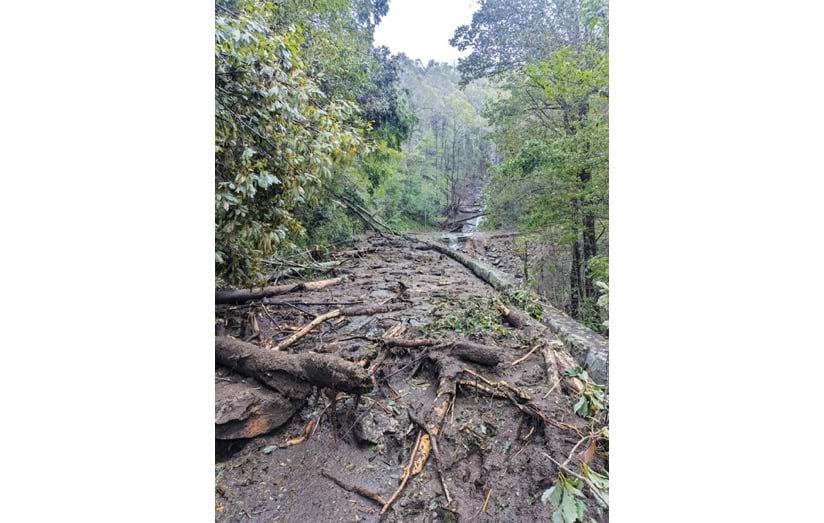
[305,330]
[553,387]
[528,354]
[572,452]
[486,501]
[527,441]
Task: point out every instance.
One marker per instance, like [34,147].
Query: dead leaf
[589,453]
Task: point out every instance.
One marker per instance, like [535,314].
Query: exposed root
[499,385]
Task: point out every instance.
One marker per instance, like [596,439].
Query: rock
[246,410]
[372,427]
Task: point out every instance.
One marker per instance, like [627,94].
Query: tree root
[499,385]
[525,356]
[556,360]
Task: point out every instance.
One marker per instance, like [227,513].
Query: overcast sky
[422,28]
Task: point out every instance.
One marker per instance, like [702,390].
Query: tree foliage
[303,102]
[507,34]
[551,129]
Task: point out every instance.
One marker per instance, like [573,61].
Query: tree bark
[574,280]
[242,295]
[293,375]
[476,353]
[589,245]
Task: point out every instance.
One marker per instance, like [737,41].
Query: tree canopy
[316,126]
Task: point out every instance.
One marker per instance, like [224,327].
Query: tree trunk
[574,280]
[291,374]
[589,244]
[228,296]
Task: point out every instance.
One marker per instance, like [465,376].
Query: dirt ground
[490,449]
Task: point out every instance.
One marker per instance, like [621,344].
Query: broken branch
[242,295]
[305,330]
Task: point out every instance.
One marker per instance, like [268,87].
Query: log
[407,343]
[590,348]
[369,310]
[462,349]
[243,295]
[495,278]
[476,353]
[293,375]
[246,410]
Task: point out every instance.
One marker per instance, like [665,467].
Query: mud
[486,444]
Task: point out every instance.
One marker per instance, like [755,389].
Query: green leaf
[581,408]
[547,495]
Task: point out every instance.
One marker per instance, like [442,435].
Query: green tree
[507,34]
[278,137]
[551,128]
[308,113]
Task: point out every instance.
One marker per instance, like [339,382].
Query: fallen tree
[293,375]
[243,295]
[590,348]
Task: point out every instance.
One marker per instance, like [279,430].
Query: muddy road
[495,456]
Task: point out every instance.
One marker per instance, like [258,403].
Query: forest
[398,244]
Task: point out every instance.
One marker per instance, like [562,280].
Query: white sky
[422,28]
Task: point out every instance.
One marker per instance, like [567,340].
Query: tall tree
[302,100]
[507,34]
[552,129]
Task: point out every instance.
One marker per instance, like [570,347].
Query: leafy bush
[277,139]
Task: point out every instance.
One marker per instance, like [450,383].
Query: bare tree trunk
[574,281]
[589,245]
[590,250]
